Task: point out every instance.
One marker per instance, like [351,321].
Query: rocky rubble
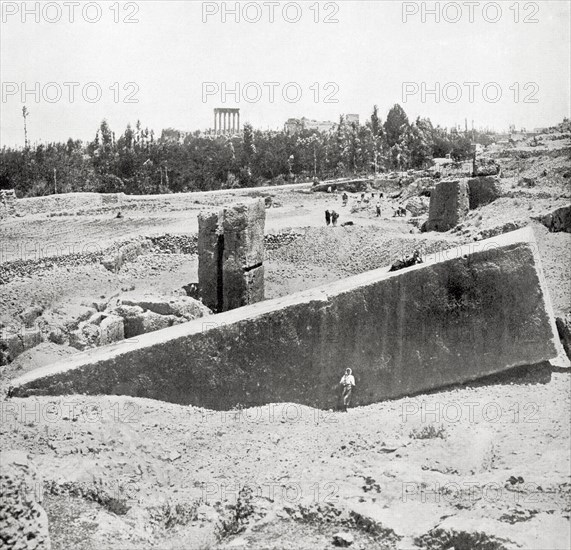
[23,521]
[486,167]
[114,260]
[16,340]
[558,220]
[126,317]
[273,241]
[418,206]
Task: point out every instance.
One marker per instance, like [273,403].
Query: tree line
[138,162]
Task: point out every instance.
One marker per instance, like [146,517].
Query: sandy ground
[483,466]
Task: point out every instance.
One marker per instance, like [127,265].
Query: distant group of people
[331,217]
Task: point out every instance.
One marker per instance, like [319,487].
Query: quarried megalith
[462,314]
[449,205]
[231,256]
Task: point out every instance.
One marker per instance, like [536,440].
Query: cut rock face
[558,220]
[231,256]
[449,205]
[483,190]
[461,315]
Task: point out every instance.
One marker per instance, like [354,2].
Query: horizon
[169,64]
[205,132]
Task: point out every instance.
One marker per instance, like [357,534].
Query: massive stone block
[231,255]
[467,313]
[449,205]
[483,190]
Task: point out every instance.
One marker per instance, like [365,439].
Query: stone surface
[483,190]
[30,314]
[449,205]
[85,336]
[558,220]
[180,306]
[468,530]
[7,203]
[209,261]
[418,206]
[146,321]
[23,521]
[231,255]
[13,343]
[564,329]
[486,167]
[111,329]
[243,226]
[126,253]
[473,311]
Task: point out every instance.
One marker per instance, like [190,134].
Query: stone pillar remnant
[231,256]
[449,205]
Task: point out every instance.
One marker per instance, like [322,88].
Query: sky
[170,63]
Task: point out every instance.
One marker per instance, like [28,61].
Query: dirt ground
[483,466]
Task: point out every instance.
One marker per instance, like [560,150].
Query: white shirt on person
[348,380]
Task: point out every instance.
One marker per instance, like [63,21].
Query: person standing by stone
[378,207]
[334,217]
[348,383]
[327,217]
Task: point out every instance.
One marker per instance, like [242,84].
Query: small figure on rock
[327,217]
[378,207]
[348,383]
[345,198]
[407,262]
